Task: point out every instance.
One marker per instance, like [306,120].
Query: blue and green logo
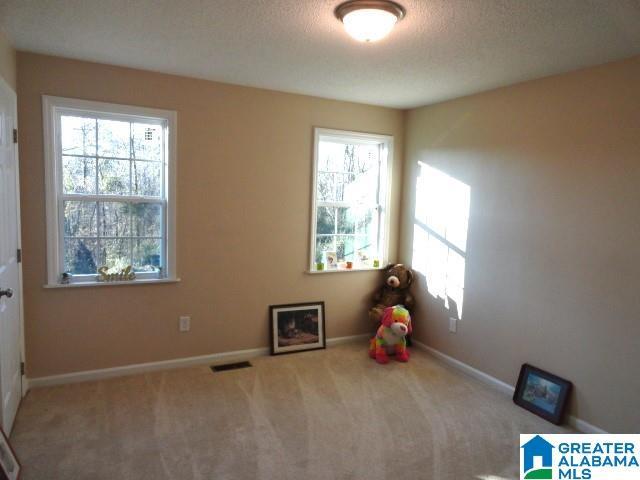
[539,448]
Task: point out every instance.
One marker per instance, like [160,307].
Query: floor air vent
[230,366]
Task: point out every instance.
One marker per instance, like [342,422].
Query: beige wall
[244,192]
[553,249]
[7,61]
[552,253]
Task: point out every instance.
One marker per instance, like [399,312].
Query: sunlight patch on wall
[440,235]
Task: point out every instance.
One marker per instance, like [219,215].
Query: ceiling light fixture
[369,20]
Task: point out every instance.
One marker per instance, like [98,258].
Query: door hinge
[19,255]
[15,135]
[21,368]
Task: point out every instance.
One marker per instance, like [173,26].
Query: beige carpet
[332,414]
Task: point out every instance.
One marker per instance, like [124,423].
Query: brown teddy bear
[395,291]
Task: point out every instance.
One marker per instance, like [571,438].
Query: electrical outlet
[184,324]
[453,324]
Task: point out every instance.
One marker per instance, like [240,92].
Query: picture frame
[542,393]
[9,465]
[297,327]
[330,260]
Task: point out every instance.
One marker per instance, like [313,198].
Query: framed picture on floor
[542,393]
[9,464]
[297,327]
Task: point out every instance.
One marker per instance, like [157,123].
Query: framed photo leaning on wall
[542,393]
[297,327]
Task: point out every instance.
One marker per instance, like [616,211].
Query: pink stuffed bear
[390,338]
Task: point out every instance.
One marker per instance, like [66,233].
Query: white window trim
[50,106]
[385,197]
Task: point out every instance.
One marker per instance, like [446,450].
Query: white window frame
[384,196]
[52,107]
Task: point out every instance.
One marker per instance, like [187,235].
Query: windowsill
[145,281]
[342,270]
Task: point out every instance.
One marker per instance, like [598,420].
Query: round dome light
[369,20]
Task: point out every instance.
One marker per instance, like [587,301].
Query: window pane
[366,241]
[146,255]
[115,219]
[323,244]
[348,177]
[365,221]
[80,256]
[106,163]
[342,182]
[80,219]
[113,176]
[365,158]
[346,220]
[345,248]
[147,179]
[114,139]
[326,187]
[347,158]
[115,254]
[366,248]
[147,220]
[147,141]
[78,135]
[326,220]
[79,175]
[361,188]
[331,156]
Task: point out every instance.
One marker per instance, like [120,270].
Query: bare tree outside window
[348,192]
[113,188]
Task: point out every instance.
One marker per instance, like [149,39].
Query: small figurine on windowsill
[65,278]
[121,276]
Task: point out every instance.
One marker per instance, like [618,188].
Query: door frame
[12,93]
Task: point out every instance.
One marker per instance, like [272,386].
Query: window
[110,174]
[350,200]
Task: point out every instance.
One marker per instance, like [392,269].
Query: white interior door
[10,287]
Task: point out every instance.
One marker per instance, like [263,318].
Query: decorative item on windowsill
[126,274]
[319,266]
[331,260]
[65,278]
[363,258]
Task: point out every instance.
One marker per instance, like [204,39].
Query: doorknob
[7,292]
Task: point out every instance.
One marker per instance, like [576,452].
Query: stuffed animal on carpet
[390,338]
[395,291]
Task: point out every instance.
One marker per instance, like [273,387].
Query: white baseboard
[331,342]
[468,369]
[210,359]
[499,385]
[145,367]
[582,426]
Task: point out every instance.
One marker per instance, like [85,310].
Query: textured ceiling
[442,49]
